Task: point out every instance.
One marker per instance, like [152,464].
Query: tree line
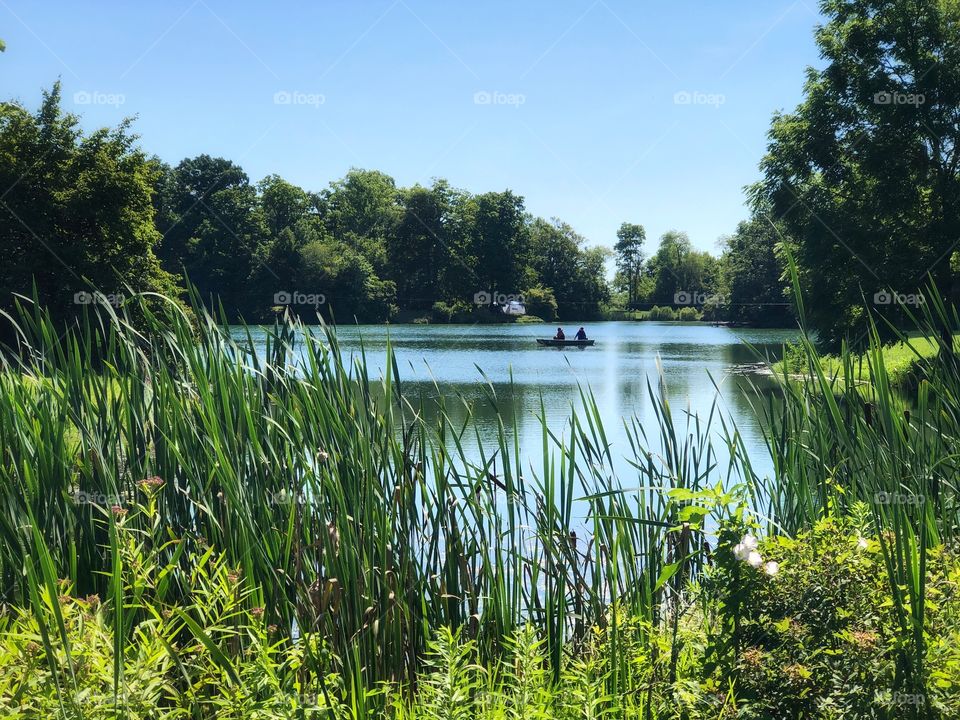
[88,212]
[94,211]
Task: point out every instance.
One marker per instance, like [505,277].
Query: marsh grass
[362,531]
[349,515]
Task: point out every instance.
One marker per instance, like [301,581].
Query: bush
[540,302]
[811,632]
[661,313]
[688,314]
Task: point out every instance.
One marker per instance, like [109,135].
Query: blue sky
[596,111]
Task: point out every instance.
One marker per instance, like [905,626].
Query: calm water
[699,365]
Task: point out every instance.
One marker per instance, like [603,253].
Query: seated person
[559,335]
[581,334]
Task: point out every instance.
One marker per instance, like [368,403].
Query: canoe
[564,343]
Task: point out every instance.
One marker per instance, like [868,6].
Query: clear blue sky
[572,104]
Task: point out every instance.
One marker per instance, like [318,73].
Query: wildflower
[118,512]
[257,612]
[324,456]
[233,577]
[796,672]
[272,629]
[863,639]
[754,559]
[748,544]
[753,656]
[151,483]
[771,568]
[93,601]
[862,543]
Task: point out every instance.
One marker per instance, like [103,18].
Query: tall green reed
[349,513]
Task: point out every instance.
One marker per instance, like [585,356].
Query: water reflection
[483,370]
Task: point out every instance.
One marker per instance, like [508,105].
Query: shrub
[661,313]
[540,302]
[688,314]
[811,632]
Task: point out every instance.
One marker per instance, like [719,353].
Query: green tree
[76,214]
[499,238]
[755,285]
[864,173]
[575,273]
[363,210]
[629,255]
[427,255]
[213,229]
[282,204]
[677,269]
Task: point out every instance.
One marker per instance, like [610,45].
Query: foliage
[76,213]
[541,302]
[754,273]
[629,254]
[661,313]
[297,494]
[863,174]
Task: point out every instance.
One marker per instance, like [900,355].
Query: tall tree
[757,291]
[213,228]
[363,210]
[499,239]
[864,173]
[677,268]
[427,254]
[564,264]
[282,203]
[76,214]
[629,256]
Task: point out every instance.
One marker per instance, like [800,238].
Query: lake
[700,364]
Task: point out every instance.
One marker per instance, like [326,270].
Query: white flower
[754,560]
[747,545]
[772,567]
[862,543]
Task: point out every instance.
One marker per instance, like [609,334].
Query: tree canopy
[863,175]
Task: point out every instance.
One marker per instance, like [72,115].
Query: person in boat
[581,334]
[559,335]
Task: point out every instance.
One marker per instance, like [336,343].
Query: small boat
[552,342]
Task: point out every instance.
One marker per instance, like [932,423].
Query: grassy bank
[190,529]
[902,362]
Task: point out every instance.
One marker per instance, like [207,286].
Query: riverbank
[902,363]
